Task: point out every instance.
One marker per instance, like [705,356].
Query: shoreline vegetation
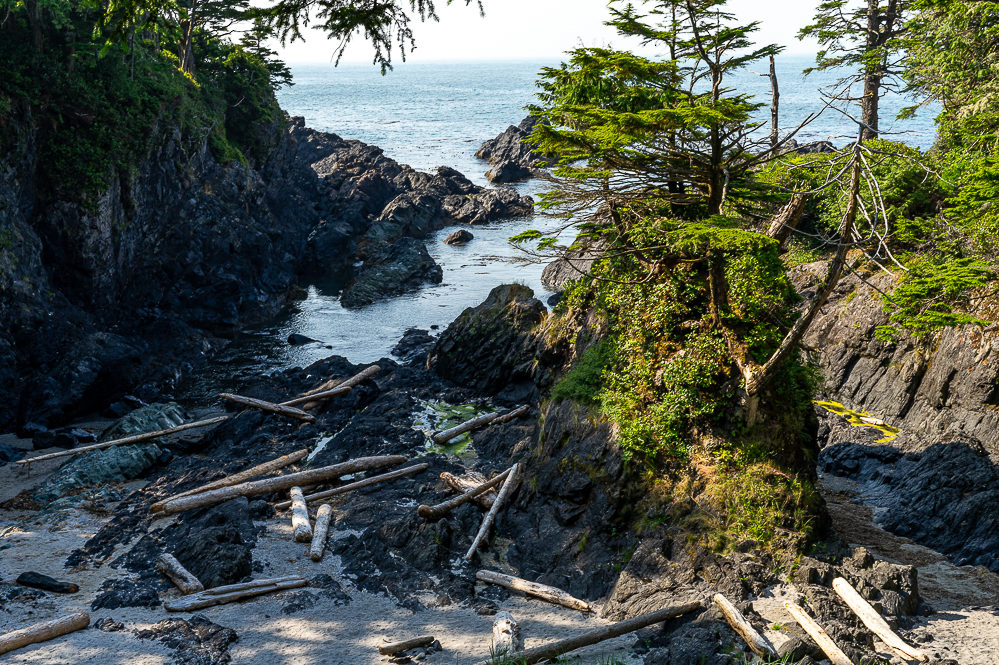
[660,444]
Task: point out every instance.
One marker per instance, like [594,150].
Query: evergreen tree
[254,40]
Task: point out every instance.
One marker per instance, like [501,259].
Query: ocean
[429,115]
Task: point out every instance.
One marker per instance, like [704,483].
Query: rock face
[490,347]
[215,544]
[402,266]
[101,298]
[574,265]
[511,157]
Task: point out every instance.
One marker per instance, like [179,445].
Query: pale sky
[542,30]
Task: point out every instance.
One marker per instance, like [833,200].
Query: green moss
[584,382]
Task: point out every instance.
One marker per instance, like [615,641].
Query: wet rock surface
[403,266]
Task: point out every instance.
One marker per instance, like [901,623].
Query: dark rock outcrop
[102,297]
[459,237]
[490,347]
[403,266]
[216,543]
[122,592]
[512,158]
[195,641]
[414,346]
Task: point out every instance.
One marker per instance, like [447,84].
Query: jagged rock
[574,265]
[514,159]
[414,345]
[488,205]
[117,593]
[298,340]
[490,346]
[459,237]
[403,266]
[943,497]
[196,641]
[109,625]
[215,544]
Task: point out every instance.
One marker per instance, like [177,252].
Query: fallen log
[322,528]
[300,516]
[252,584]
[396,647]
[875,623]
[556,649]
[280,409]
[314,397]
[759,644]
[815,631]
[543,591]
[487,522]
[182,577]
[350,487]
[446,435]
[237,478]
[468,482]
[441,509]
[197,601]
[44,631]
[136,438]
[510,415]
[279,483]
[326,394]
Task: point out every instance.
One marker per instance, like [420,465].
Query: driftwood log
[816,632]
[315,397]
[485,419]
[507,637]
[759,644]
[396,647]
[300,516]
[280,483]
[556,649]
[468,482]
[487,521]
[350,487]
[135,438]
[237,478]
[231,593]
[182,577]
[322,529]
[543,591]
[441,509]
[875,623]
[44,631]
[280,409]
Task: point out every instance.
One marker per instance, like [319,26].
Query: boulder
[512,157]
[124,593]
[403,266]
[575,264]
[508,172]
[414,345]
[215,544]
[491,346]
[459,237]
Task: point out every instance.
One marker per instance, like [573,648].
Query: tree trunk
[441,509]
[34,14]
[300,517]
[543,591]
[44,631]
[774,108]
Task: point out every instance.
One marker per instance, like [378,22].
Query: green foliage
[932,294]
[584,382]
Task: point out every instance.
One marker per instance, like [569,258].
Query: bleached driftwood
[262,405]
[232,593]
[816,632]
[300,516]
[759,644]
[280,483]
[441,509]
[485,419]
[396,647]
[135,438]
[237,478]
[875,623]
[314,397]
[543,591]
[469,482]
[182,577]
[325,494]
[556,649]
[44,631]
[487,522]
[507,638]
[322,528]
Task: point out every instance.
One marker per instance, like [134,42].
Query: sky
[543,30]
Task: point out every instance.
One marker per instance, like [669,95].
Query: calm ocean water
[428,115]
